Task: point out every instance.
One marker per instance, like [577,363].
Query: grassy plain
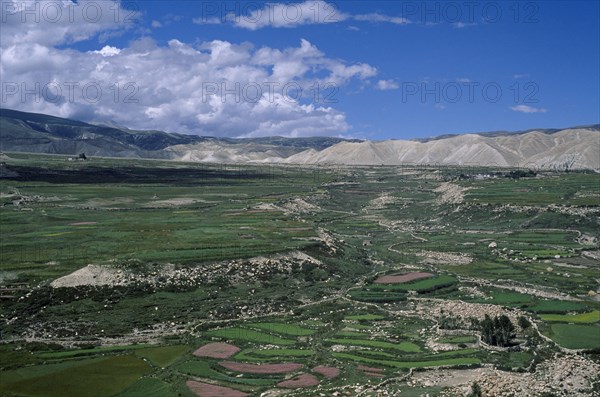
[237,229]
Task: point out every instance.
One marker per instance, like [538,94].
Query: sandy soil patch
[90,275]
[444,258]
[217,350]
[176,202]
[291,256]
[332,244]
[381,202]
[208,390]
[402,278]
[106,202]
[444,378]
[299,206]
[450,193]
[261,368]
[591,254]
[267,207]
[244,270]
[328,372]
[303,380]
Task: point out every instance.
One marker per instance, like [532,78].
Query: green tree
[505,330]
[498,331]
[487,330]
[524,323]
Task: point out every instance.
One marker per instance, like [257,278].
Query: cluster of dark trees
[498,331]
[521,174]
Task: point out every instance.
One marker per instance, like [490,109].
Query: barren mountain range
[577,147]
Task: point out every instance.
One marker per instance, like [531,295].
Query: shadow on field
[93,175]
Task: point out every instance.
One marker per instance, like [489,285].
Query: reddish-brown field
[371,371]
[303,380]
[374,375]
[368,369]
[207,390]
[217,350]
[328,372]
[261,368]
[402,278]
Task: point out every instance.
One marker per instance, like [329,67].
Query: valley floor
[150,278]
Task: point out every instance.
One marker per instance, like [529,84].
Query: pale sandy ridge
[571,148]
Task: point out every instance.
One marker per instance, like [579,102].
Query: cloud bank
[210,88]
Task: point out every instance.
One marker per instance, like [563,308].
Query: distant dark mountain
[49,134]
[32,132]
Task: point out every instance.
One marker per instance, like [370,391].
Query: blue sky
[385,69]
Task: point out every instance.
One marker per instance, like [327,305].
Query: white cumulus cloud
[60,22]
[289,15]
[377,17]
[528,109]
[108,51]
[214,87]
[387,85]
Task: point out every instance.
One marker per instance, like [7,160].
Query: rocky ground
[568,376]
[450,193]
[236,271]
[453,258]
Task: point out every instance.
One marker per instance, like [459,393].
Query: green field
[352,334]
[576,336]
[365,317]
[270,355]
[203,369]
[162,356]
[250,335]
[555,306]
[421,286]
[582,318]
[411,364]
[402,346]
[280,261]
[88,352]
[97,378]
[534,191]
[459,339]
[281,328]
[510,298]
[149,387]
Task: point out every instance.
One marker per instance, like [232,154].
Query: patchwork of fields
[177,279]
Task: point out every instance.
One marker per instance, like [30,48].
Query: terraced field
[176,279]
